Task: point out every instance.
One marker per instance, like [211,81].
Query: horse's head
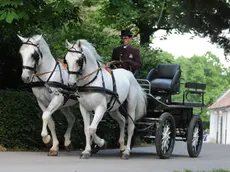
[75,60]
[31,56]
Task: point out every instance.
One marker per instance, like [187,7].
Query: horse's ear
[38,38]
[22,38]
[67,44]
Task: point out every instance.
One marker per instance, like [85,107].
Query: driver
[128,56]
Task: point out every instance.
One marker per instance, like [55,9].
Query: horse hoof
[85,156]
[125,156]
[69,147]
[49,144]
[121,151]
[95,149]
[53,153]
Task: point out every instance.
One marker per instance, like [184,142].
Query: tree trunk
[145,34]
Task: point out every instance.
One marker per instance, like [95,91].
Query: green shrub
[19,120]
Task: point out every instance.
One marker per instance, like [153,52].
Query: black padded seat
[161,83]
[166,78]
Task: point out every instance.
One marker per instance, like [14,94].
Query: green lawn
[214,170]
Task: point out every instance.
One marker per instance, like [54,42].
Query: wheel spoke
[165,137]
[195,138]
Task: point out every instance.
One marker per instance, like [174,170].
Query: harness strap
[103,81]
[58,85]
[95,89]
[37,84]
[95,77]
[62,81]
[113,98]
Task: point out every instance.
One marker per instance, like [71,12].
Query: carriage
[168,121]
[165,120]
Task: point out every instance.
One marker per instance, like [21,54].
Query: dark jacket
[129,57]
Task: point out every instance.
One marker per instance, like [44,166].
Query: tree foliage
[29,17]
[202,17]
[209,18]
[208,70]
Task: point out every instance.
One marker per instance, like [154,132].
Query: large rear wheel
[165,135]
[195,136]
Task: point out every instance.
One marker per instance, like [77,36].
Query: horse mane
[90,47]
[42,44]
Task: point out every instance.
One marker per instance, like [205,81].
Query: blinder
[80,62]
[35,56]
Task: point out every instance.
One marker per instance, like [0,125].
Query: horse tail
[141,108]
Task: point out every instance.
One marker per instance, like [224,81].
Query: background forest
[100,23]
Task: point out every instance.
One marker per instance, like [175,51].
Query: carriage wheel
[195,136]
[165,135]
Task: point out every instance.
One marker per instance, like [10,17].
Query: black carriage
[167,120]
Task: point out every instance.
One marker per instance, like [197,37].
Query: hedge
[21,124]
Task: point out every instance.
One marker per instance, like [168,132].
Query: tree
[145,16]
[29,17]
[202,17]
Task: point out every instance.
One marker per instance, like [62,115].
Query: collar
[125,46]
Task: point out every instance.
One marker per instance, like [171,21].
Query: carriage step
[144,123]
[180,139]
[148,137]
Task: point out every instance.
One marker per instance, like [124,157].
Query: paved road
[142,160]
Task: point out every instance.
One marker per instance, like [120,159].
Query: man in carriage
[128,56]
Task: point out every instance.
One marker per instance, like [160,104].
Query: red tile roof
[222,101]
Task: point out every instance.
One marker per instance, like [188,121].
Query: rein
[105,66]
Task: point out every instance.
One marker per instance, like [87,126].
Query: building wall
[224,129]
[219,131]
[228,128]
[213,127]
[220,127]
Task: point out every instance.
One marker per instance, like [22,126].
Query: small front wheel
[195,136]
[165,135]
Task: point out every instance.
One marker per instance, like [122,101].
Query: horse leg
[99,113]
[54,149]
[121,121]
[131,109]
[47,140]
[100,142]
[131,127]
[71,120]
[54,105]
[86,118]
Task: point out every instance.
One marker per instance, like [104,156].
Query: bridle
[80,62]
[39,53]
[28,42]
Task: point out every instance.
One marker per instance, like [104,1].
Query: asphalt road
[142,160]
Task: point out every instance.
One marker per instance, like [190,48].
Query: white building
[220,120]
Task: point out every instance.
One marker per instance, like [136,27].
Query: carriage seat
[137,74]
[166,78]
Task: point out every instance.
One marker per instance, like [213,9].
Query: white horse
[83,67]
[37,58]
